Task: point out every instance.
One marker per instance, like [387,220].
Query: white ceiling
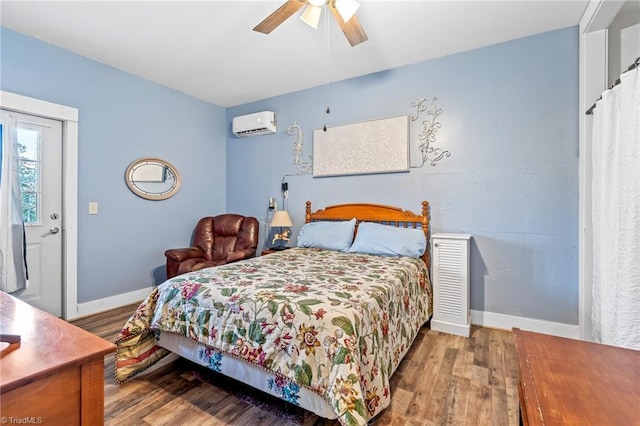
[207,49]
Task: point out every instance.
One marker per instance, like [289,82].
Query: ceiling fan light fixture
[311,15]
[343,12]
[347,8]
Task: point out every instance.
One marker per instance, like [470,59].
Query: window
[29,172]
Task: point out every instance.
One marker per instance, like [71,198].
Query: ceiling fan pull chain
[328,111]
[327,52]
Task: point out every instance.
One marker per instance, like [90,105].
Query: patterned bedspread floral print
[335,323]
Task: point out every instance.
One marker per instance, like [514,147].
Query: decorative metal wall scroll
[303,167]
[429,133]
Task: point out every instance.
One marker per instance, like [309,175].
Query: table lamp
[281,219]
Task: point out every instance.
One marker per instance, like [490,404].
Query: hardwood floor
[443,380]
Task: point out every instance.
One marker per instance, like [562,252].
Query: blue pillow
[327,235]
[386,240]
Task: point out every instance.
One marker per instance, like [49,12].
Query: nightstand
[272,250]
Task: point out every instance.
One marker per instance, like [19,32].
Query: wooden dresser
[55,375]
[572,382]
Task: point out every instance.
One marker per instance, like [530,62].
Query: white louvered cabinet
[450,279]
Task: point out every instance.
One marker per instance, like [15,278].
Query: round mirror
[152,179]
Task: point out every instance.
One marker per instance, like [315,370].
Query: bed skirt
[249,374]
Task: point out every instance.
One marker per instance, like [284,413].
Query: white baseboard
[463,330]
[507,322]
[112,302]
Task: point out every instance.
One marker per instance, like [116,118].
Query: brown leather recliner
[217,240]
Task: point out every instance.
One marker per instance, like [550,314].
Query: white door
[40,168]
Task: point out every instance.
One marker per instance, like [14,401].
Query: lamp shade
[311,15]
[281,218]
[347,8]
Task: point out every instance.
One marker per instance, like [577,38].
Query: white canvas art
[376,146]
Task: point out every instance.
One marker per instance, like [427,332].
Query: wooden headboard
[379,213]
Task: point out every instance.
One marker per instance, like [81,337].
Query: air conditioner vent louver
[248,132]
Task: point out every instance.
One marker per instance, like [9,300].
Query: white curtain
[12,260]
[616,214]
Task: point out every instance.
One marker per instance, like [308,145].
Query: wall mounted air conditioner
[260,123]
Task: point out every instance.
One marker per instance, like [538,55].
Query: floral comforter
[336,323]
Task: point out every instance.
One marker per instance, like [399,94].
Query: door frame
[69,117]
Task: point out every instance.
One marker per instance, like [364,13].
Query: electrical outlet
[93,207]
[272,204]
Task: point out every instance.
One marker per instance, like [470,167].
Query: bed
[321,326]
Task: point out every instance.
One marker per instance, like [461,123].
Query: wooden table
[55,375]
[272,250]
[572,382]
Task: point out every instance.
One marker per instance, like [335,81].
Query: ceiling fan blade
[351,29]
[280,15]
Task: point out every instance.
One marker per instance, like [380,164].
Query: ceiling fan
[342,10]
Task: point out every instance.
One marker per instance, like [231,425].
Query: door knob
[53,230]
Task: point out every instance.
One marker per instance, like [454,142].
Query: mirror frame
[150,195]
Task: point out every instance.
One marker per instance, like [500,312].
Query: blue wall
[510,122]
[123,118]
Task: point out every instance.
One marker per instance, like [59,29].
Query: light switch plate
[93,207]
